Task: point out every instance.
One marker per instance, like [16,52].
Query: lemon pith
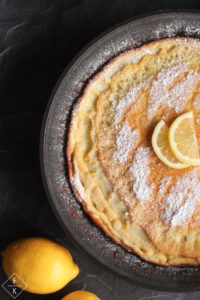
[183,141]
[162,149]
[45,266]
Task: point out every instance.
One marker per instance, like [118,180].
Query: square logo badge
[10,287]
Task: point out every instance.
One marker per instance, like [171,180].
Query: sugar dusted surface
[139,172]
[164,183]
[126,140]
[182,199]
[138,57]
[172,88]
[162,94]
[128,99]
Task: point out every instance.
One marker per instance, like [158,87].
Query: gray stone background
[37,40]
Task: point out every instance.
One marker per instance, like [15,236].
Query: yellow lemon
[81,295]
[162,148]
[183,140]
[45,266]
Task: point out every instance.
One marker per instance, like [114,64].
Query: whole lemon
[45,266]
[81,295]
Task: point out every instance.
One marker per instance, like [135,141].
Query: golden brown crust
[98,180]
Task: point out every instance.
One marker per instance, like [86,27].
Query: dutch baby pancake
[143,204]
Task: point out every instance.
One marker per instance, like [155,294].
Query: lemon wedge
[183,141]
[162,149]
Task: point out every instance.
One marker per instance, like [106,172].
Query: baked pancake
[142,204]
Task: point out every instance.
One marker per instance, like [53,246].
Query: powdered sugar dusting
[77,183]
[126,140]
[128,99]
[172,29]
[182,199]
[138,57]
[163,93]
[140,171]
[111,71]
[164,183]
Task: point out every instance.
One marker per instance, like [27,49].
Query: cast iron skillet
[131,34]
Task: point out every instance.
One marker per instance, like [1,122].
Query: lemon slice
[162,149]
[183,141]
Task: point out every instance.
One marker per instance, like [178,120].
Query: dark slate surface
[37,40]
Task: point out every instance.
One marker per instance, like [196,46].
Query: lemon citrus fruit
[45,266]
[81,295]
[162,149]
[183,141]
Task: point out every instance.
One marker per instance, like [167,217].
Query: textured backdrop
[37,40]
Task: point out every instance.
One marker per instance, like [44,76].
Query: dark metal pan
[131,34]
